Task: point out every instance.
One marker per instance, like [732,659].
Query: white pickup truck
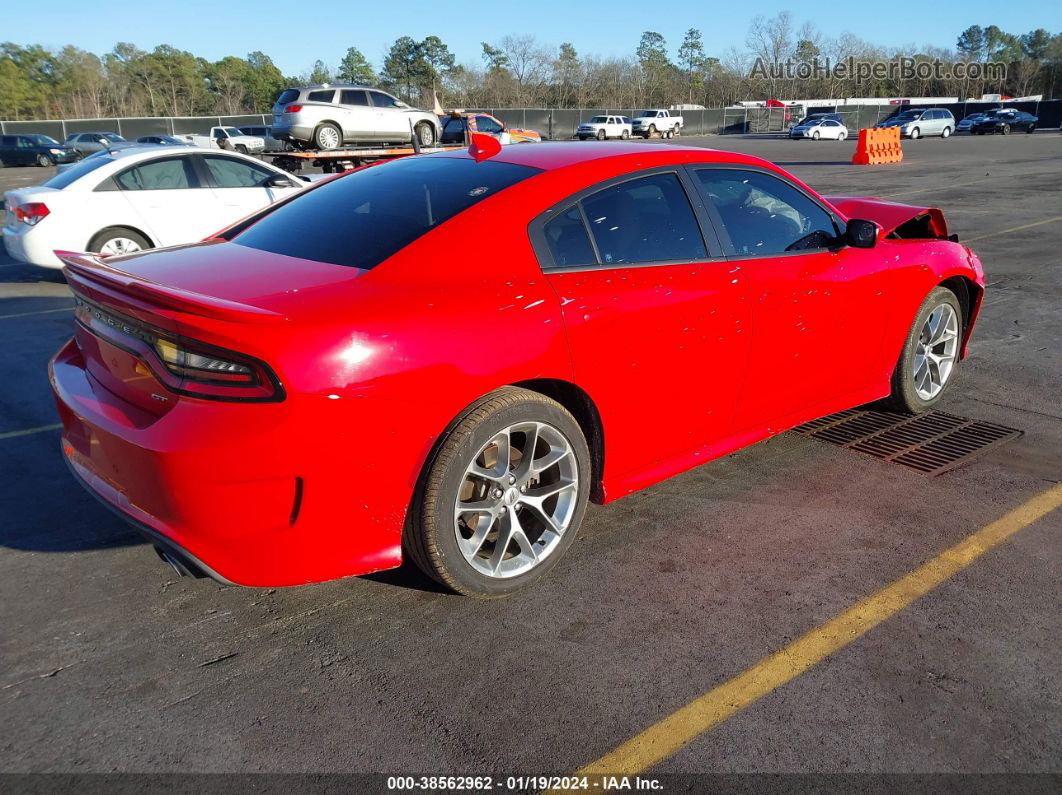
[650,122]
[237,141]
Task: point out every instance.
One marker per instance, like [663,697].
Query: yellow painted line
[678,729]
[28,431]
[1014,229]
[38,312]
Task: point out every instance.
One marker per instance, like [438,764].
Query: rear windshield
[76,172]
[363,218]
[288,95]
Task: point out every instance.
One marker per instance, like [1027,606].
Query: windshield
[113,137]
[908,115]
[649,113]
[76,172]
[598,120]
[232,131]
[363,218]
[43,140]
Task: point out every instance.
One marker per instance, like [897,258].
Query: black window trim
[536,229]
[724,237]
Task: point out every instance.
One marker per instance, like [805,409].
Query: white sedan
[138,198]
[820,128]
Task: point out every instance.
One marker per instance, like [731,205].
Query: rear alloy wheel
[116,242]
[625,135]
[503,496]
[929,354]
[842,136]
[328,136]
[1006,129]
[946,132]
[44,161]
[601,135]
[815,135]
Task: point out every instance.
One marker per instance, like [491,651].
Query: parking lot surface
[109,662]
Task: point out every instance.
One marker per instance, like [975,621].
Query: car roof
[552,156]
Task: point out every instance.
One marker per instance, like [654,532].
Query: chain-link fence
[555,123]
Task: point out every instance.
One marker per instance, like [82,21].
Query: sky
[228,27]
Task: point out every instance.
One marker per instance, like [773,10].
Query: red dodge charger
[448,355]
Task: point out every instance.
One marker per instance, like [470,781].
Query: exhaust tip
[175,563]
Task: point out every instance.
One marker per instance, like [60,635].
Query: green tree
[972,43]
[691,54]
[266,81]
[320,73]
[404,66]
[495,58]
[355,68]
[437,58]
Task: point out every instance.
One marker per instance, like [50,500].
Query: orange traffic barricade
[877,146]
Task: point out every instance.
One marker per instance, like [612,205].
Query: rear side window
[288,95]
[321,96]
[229,172]
[361,219]
[567,240]
[77,171]
[7,140]
[353,98]
[172,173]
[644,220]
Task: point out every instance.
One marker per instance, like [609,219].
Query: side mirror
[861,234]
[279,181]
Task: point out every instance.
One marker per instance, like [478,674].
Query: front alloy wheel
[927,363]
[503,495]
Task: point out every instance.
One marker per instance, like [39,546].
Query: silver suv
[918,122]
[328,116]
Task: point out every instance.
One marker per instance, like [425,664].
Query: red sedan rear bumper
[225,488]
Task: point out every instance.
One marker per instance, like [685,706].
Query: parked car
[819,116]
[922,122]
[59,169]
[34,150]
[258,442]
[602,127]
[456,123]
[138,198]
[88,142]
[161,140]
[266,134]
[966,125]
[229,138]
[329,116]
[650,122]
[1003,121]
[816,128]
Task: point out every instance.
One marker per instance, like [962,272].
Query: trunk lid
[229,298]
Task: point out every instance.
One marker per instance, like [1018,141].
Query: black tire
[651,131]
[425,133]
[327,144]
[815,135]
[1031,129]
[601,135]
[430,538]
[582,137]
[946,132]
[44,161]
[625,135]
[1006,129]
[915,133]
[903,396]
[241,149]
[104,236]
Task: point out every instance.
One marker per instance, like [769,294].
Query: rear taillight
[184,366]
[31,213]
[293,108]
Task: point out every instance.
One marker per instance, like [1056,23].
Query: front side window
[321,96]
[173,173]
[228,172]
[487,125]
[353,98]
[765,215]
[361,219]
[381,100]
[644,220]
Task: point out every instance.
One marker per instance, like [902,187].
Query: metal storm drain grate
[932,443]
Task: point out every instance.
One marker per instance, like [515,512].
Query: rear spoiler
[92,268]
